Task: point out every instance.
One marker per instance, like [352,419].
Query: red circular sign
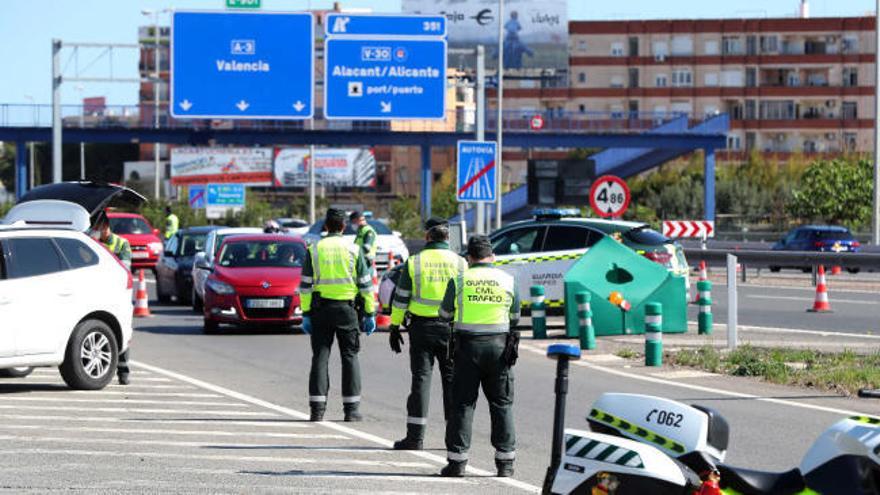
[536,122]
[609,196]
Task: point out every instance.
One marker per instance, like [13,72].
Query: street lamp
[157,80]
[82,146]
[30,98]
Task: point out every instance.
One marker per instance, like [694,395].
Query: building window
[661,50]
[850,77]
[616,111]
[582,45]
[732,78]
[582,108]
[849,110]
[682,45]
[711,47]
[582,77]
[633,77]
[661,81]
[751,141]
[731,45]
[616,81]
[634,46]
[734,143]
[751,45]
[778,110]
[850,44]
[710,79]
[769,44]
[682,77]
[751,77]
[850,141]
[617,49]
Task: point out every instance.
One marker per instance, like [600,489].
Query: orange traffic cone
[141,301]
[704,275]
[835,270]
[821,305]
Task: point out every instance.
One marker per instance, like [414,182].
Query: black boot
[455,469]
[317,411]
[413,439]
[505,469]
[124,379]
[352,415]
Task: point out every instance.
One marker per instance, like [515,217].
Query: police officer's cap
[435,222]
[335,214]
[355,215]
[479,247]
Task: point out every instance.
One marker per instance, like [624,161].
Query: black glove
[395,339]
[511,348]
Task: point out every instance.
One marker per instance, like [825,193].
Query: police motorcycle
[845,459]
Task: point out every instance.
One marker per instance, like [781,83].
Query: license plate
[139,255]
[265,303]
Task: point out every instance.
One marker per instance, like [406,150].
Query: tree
[836,191]
[443,202]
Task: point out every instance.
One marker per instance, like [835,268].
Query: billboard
[201,165]
[535,32]
[339,167]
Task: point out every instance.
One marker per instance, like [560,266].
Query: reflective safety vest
[483,299]
[362,237]
[172,225]
[430,272]
[334,262]
[120,248]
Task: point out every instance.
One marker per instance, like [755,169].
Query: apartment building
[789,84]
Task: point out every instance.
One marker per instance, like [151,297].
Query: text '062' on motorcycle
[639,444]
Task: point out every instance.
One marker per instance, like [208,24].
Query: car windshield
[832,235]
[379,227]
[646,235]
[190,244]
[242,254]
[129,225]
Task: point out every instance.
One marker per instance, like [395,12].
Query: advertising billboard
[535,32]
[338,167]
[201,165]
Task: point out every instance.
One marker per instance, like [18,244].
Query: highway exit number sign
[243,4]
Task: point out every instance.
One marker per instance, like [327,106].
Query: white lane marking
[61,384]
[108,419]
[831,286]
[209,433]
[134,410]
[749,328]
[126,401]
[207,457]
[334,426]
[674,374]
[183,395]
[710,390]
[806,300]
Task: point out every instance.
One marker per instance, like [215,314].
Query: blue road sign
[228,195]
[385,25]
[385,79]
[197,196]
[242,65]
[476,171]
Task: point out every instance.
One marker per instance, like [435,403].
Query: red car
[255,282]
[146,245]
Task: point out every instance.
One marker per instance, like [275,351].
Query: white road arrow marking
[298,106]
[242,105]
[186,105]
[386,106]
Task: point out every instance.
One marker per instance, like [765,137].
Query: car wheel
[853,270]
[197,304]
[807,269]
[91,356]
[19,372]
[210,327]
[775,269]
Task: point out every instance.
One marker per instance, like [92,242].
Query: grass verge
[843,372]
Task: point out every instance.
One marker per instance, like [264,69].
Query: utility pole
[56,111]
[157,148]
[498,160]
[312,214]
[82,145]
[480,214]
[876,230]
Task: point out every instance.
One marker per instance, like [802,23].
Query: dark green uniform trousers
[428,341]
[335,319]
[479,362]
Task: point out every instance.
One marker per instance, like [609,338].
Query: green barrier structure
[539,314]
[653,334]
[609,266]
[586,334]
[704,300]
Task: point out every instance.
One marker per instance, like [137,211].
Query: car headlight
[219,287]
[155,247]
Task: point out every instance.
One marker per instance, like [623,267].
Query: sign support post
[480,218]
[500,124]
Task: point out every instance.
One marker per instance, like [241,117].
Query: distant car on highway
[388,242]
[294,226]
[146,245]
[205,259]
[255,282]
[174,270]
[65,299]
[823,238]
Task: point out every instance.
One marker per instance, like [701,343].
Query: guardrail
[766,259]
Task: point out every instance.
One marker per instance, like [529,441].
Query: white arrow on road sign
[298,106]
[186,105]
[242,105]
[386,106]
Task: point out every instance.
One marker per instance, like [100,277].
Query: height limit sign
[609,196]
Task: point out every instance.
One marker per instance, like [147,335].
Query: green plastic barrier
[610,266]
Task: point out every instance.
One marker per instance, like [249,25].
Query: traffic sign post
[385,67]
[476,171]
[242,65]
[609,196]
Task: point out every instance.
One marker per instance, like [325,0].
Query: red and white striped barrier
[688,228]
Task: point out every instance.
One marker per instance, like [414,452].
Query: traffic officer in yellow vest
[172,223]
[335,281]
[417,298]
[365,238]
[484,308]
[120,248]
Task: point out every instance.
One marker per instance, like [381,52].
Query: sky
[27,28]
